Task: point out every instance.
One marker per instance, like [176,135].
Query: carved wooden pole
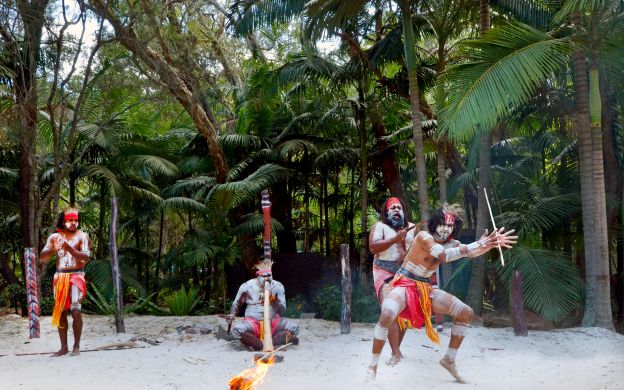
[119,305]
[517,305]
[267,342]
[32,299]
[345,317]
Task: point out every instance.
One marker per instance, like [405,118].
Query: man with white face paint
[71,247]
[250,330]
[388,241]
[412,297]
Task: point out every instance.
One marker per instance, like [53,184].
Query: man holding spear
[263,327]
[71,247]
[412,297]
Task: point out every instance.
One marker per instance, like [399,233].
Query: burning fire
[251,377]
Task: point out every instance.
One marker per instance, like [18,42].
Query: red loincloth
[417,305]
[62,298]
[258,326]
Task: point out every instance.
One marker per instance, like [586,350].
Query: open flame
[251,377]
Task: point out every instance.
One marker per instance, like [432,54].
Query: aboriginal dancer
[412,297]
[71,247]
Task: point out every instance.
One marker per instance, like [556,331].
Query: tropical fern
[551,283]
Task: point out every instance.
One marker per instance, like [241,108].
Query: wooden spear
[500,250]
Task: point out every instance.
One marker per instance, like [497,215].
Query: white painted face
[443,232]
[395,216]
[265,277]
[71,224]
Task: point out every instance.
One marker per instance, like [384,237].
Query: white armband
[435,250]
[450,254]
[453,254]
[476,245]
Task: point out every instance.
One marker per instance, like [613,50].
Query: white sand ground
[578,358]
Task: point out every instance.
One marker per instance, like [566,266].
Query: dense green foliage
[311,100]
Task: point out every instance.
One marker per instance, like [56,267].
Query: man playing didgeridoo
[388,242]
[250,330]
[71,247]
[412,298]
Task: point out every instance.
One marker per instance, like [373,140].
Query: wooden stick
[107,347]
[500,250]
[266,355]
[267,339]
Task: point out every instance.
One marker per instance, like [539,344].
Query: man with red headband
[250,330]
[388,241]
[71,247]
[412,297]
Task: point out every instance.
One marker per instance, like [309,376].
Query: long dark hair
[437,218]
[384,216]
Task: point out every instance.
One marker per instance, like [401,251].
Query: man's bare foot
[449,365]
[371,373]
[395,359]
[60,352]
[75,351]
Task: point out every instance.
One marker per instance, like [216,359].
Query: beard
[395,220]
[442,236]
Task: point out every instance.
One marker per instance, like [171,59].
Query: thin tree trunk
[326,207]
[477,279]
[161,233]
[102,215]
[412,67]
[360,115]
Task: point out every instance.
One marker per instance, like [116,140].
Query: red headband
[392,201]
[449,219]
[70,216]
[263,271]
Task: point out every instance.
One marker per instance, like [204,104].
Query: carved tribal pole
[267,342]
[32,300]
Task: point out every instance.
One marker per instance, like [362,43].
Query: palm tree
[504,56]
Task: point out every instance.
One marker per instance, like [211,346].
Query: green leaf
[551,283]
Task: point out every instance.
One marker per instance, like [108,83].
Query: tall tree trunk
[326,207]
[412,68]
[385,160]
[603,315]
[99,253]
[477,279]
[360,117]
[307,245]
[161,233]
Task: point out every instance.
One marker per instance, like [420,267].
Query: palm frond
[225,196]
[8,173]
[181,203]
[505,67]
[156,164]
[105,173]
[540,213]
[551,283]
[190,185]
[250,15]
[536,13]
[253,225]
